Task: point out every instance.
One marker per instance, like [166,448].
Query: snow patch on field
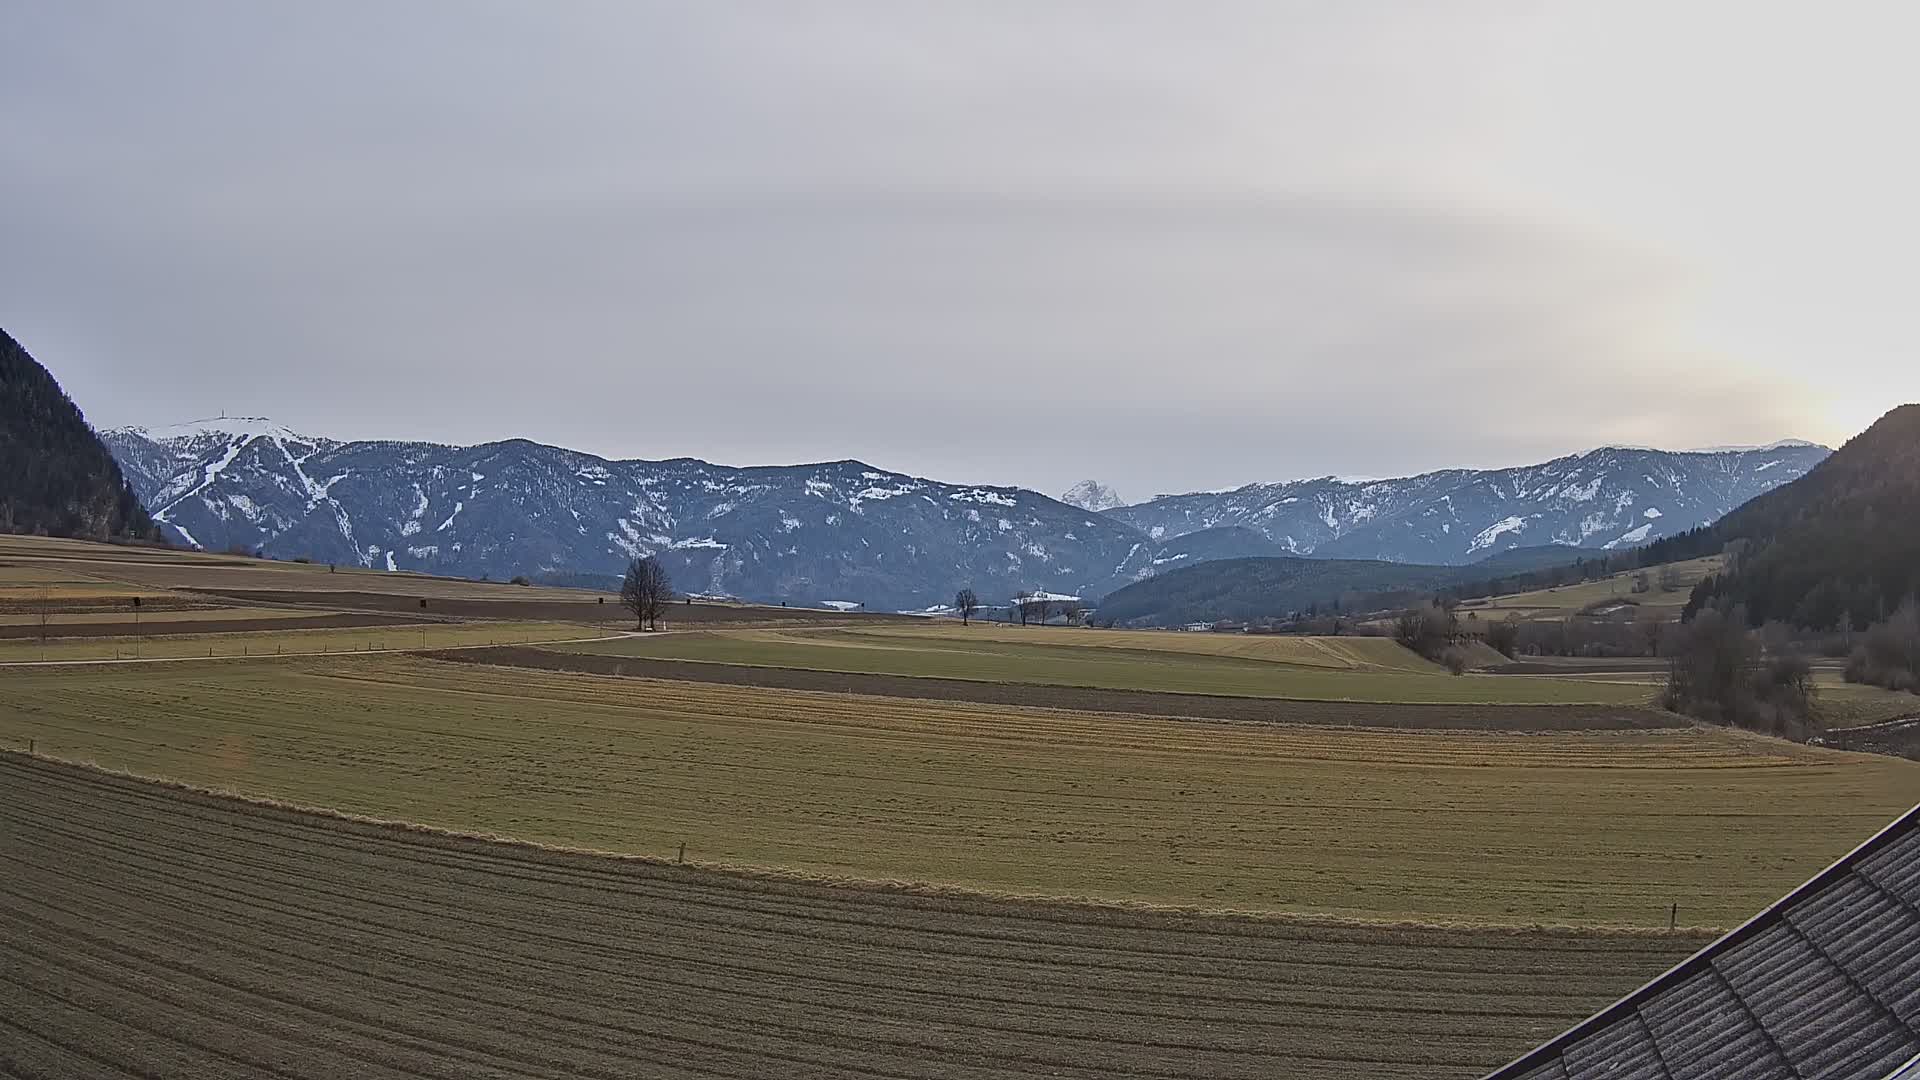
[840,605]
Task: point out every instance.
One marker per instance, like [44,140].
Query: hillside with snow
[1608,498]
[1092,495]
[849,533]
[807,534]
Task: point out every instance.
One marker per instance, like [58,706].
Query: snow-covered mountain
[848,532]
[1092,495]
[808,534]
[1606,498]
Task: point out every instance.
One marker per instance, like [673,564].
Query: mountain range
[1607,498]
[851,533]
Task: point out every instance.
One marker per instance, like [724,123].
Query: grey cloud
[1199,246]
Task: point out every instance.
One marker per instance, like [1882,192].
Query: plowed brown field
[152,931]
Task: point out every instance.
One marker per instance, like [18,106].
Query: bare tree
[966,604]
[1036,608]
[1669,578]
[1504,636]
[43,611]
[1650,627]
[645,591]
[1023,603]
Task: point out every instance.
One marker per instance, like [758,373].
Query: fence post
[683,852]
[1673,916]
[31,746]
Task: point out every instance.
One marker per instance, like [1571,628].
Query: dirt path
[155,931]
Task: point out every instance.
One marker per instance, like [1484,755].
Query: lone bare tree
[645,591]
[43,611]
[966,604]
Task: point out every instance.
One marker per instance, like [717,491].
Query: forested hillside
[1841,544]
[56,477]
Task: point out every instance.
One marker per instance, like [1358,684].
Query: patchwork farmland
[1591,828]
[910,848]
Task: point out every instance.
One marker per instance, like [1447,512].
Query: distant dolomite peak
[1093,496]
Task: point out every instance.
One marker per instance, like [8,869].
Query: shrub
[1716,673]
[1427,630]
[1454,659]
[1888,654]
[519,579]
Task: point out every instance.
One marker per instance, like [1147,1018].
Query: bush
[1454,659]
[1716,673]
[1888,654]
[1504,637]
[1427,630]
[519,579]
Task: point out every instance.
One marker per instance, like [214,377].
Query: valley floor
[164,932]
[1580,827]
[912,848]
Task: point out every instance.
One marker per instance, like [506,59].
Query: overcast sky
[1170,246]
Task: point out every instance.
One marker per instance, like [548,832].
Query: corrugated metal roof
[1824,984]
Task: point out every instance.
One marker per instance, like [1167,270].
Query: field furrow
[1578,827]
[173,933]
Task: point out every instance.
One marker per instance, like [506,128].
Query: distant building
[1041,607]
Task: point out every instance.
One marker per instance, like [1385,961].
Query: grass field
[1579,828]
[273,642]
[172,933]
[1166,662]
[1334,653]
[1571,599]
[64,619]
[1843,704]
